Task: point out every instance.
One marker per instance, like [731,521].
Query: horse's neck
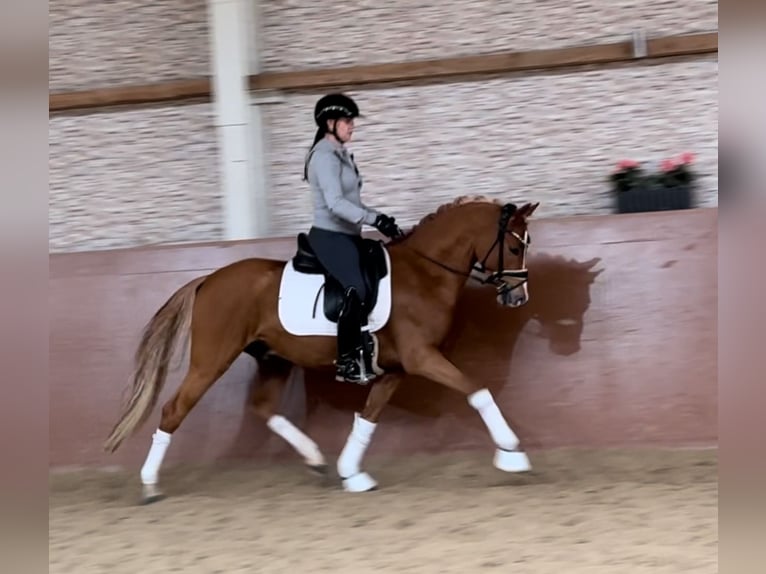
[452,250]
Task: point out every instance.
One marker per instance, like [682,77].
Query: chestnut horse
[246,306]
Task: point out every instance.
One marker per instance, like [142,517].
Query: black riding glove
[387,226]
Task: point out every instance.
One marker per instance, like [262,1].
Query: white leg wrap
[498,428]
[350,459]
[151,469]
[306,447]
[512,461]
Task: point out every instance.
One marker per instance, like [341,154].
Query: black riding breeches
[340,254]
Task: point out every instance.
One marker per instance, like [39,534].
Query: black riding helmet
[333,107]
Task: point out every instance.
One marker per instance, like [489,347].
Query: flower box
[654,197]
[672,188]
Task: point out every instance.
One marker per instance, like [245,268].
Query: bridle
[496,278]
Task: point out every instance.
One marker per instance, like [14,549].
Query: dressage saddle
[373,260]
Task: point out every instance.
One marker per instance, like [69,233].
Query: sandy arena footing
[578,512]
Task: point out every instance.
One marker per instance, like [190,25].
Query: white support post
[258,137]
[233,26]
[640,46]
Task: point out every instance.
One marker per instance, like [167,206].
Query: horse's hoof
[318,469]
[146,500]
[361,482]
[512,461]
[151,494]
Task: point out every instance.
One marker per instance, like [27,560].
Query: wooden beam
[130,95]
[442,68]
[686,45]
[423,70]
[483,64]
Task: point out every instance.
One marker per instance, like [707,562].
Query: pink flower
[669,165]
[627,164]
[686,158]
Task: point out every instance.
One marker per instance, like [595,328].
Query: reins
[439,263]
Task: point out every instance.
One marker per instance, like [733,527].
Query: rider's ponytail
[318,136]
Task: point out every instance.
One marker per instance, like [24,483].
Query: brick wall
[126,42]
[124,177]
[150,175]
[133,177]
[299,34]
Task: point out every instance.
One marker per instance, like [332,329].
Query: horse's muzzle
[512,289]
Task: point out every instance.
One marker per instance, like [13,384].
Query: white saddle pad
[298,298]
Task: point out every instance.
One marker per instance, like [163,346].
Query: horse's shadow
[481,343]
[484,336]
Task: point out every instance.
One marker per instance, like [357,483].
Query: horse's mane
[462,200]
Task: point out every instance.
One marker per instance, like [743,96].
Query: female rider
[335,235]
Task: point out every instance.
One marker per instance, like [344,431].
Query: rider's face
[344,128]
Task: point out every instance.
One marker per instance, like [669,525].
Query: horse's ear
[532,208]
[525,211]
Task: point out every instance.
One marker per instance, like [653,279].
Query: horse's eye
[515,250]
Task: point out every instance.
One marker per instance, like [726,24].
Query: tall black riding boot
[351,365]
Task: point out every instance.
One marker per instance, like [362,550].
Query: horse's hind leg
[196,382]
[210,358]
[274,373]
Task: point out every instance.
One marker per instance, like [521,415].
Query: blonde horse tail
[158,343]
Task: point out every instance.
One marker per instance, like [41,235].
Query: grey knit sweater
[336,190]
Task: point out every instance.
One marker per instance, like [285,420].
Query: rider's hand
[387,226]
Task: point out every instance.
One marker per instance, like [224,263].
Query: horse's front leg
[430,363]
[350,459]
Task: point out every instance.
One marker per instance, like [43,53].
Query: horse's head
[501,241]
[485,239]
